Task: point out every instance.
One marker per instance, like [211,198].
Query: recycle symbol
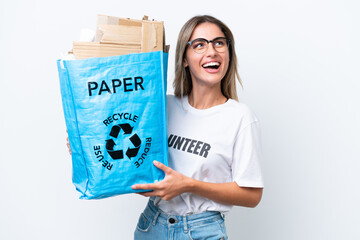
[119,154]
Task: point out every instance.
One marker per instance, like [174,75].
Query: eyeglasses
[200,45]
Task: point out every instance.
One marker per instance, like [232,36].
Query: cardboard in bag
[114,104]
[120,36]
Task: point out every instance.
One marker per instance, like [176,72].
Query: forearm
[176,183]
[226,193]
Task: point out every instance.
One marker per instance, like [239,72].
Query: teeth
[211,64]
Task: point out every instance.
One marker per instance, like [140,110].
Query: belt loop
[156,217]
[185,224]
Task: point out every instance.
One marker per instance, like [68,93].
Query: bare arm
[227,193]
[175,184]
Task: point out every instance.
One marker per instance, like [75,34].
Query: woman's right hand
[67,143]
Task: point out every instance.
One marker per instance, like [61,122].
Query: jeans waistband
[153,212]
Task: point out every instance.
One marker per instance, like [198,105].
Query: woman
[213,142]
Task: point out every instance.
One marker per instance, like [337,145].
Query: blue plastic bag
[115,113]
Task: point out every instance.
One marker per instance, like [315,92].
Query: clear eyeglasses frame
[200,45]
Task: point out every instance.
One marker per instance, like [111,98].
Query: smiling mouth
[211,65]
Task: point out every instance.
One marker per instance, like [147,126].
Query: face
[208,68]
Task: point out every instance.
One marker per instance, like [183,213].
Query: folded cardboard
[119,36]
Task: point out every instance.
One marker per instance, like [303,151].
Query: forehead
[207,30]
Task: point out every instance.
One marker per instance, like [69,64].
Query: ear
[186,64]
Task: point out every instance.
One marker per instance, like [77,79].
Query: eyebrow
[206,38]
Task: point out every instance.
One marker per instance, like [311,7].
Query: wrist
[189,185]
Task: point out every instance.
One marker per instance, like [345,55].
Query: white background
[299,61]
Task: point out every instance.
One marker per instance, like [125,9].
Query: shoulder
[173,100]
[241,112]
[170,98]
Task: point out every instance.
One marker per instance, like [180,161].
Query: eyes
[200,45]
[204,43]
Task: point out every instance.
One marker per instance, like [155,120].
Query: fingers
[142,194]
[156,194]
[146,194]
[68,144]
[162,166]
[144,186]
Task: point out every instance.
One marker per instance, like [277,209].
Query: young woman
[213,142]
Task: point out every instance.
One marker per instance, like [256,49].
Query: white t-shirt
[218,145]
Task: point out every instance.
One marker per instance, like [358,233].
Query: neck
[206,98]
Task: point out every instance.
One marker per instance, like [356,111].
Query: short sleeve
[246,171]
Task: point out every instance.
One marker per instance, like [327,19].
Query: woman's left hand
[171,186]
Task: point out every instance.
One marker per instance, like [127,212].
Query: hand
[67,143]
[171,186]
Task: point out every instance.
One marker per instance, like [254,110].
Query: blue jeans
[156,225]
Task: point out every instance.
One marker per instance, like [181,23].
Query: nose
[210,49]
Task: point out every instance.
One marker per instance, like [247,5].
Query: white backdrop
[299,61]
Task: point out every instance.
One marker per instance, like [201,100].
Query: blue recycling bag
[115,113]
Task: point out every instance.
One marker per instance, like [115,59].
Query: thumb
[162,166]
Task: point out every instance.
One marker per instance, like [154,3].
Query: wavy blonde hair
[182,82]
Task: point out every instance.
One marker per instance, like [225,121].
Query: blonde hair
[182,82]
